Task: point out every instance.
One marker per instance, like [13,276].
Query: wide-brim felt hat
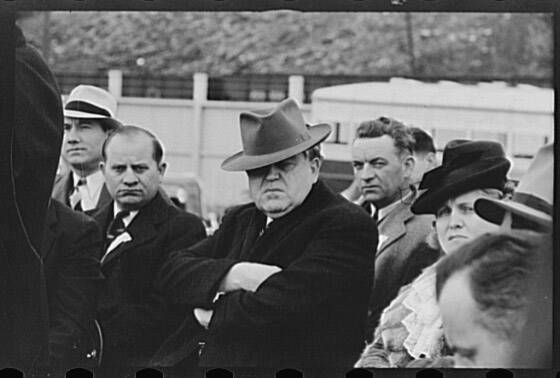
[88,101]
[533,197]
[466,165]
[270,136]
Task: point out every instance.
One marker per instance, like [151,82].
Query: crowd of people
[418,263]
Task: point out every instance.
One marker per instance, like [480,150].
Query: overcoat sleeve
[338,257]
[192,276]
[73,304]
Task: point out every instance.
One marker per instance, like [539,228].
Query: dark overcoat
[71,249]
[132,312]
[311,314]
[31,132]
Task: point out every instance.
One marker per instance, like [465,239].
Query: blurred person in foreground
[411,327]
[531,208]
[141,228]
[382,156]
[425,159]
[71,249]
[485,295]
[31,117]
[284,281]
[89,117]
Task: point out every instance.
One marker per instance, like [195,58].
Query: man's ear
[432,159]
[162,167]
[408,166]
[315,168]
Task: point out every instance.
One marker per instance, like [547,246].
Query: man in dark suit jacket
[382,156]
[71,249]
[141,229]
[31,119]
[89,117]
[284,281]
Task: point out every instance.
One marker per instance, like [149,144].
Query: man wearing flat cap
[89,117]
[284,281]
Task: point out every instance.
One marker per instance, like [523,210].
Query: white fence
[197,135]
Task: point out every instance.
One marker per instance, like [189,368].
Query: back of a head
[501,268]
[423,142]
[376,128]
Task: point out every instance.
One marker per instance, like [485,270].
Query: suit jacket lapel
[392,228]
[61,188]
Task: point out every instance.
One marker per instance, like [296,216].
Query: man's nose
[71,135]
[272,173]
[129,177]
[367,172]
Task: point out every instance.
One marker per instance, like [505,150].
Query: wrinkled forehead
[367,149]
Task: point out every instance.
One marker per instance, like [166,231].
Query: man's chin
[274,210]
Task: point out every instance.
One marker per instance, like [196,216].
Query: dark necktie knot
[117,226]
[76,196]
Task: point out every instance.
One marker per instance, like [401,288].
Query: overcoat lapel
[255,226]
[279,229]
[142,229]
[392,227]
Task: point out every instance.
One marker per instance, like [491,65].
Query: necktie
[116,227]
[376,216]
[76,195]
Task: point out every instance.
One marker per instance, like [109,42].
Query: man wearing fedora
[89,117]
[284,281]
[382,156]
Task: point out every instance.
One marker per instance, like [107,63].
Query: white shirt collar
[90,196]
[126,220]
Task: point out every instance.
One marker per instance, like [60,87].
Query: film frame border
[7,19]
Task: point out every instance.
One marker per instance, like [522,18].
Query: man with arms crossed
[284,281]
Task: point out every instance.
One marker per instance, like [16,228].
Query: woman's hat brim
[432,198]
[493,211]
[242,162]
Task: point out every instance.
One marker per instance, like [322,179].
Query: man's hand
[247,276]
[203,316]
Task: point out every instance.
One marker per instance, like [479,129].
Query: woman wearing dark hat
[410,328]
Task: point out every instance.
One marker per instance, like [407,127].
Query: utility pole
[410,44]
